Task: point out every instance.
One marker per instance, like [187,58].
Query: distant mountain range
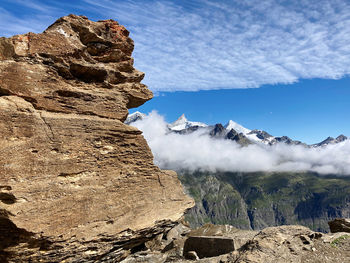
[255,200]
[233,131]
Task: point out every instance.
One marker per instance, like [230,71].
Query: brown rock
[75,66]
[339,225]
[72,174]
[275,244]
[279,244]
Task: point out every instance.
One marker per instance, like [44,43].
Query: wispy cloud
[199,151]
[37,5]
[193,45]
[26,16]
[202,44]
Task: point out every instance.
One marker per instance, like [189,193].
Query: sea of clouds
[199,151]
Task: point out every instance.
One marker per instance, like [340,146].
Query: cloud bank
[199,151]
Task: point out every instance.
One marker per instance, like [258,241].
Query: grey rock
[263,135]
[286,140]
[238,138]
[341,138]
[331,140]
[219,131]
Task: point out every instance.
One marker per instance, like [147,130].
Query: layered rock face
[75,182]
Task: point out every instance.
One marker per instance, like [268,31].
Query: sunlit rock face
[74,179]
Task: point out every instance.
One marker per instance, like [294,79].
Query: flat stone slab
[208,246]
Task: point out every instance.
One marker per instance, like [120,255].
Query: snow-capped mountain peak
[182,123]
[237,127]
[232,131]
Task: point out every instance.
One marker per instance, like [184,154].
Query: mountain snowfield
[187,145]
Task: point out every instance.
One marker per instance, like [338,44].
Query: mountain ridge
[234,131]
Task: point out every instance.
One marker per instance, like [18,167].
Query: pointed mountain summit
[182,120]
[182,123]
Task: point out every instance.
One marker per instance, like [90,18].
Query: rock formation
[77,184]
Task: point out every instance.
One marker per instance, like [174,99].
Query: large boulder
[76,183]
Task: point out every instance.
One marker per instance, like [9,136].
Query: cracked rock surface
[76,183]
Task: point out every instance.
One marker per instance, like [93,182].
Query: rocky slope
[259,200]
[224,243]
[76,183]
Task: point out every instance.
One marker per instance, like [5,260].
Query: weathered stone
[339,225]
[57,70]
[177,232]
[279,244]
[239,236]
[208,246]
[275,244]
[73,176]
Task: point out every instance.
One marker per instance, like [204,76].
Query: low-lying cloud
[199,151]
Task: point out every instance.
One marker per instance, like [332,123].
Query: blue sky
[273,65]
[309,110]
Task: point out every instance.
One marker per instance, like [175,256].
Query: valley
[258,200]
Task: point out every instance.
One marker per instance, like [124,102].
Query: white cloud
[199,151]
[35,18]
[202,44]
[240,44]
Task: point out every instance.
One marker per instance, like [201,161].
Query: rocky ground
[273,244]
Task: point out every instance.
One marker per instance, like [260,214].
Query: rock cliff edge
[76,183]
